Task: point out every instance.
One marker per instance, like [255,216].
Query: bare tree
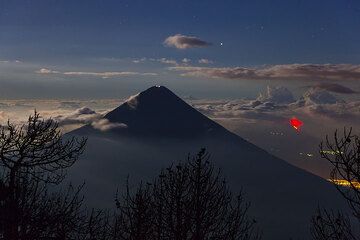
[327,225]
[32,156]
[37,148]
[343,153]
[134,220]
[188,201]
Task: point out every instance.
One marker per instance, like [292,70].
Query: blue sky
[103,36]
[253,32]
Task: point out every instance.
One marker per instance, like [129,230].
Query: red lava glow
[296,123]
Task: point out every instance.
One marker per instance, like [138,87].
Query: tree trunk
[11,209]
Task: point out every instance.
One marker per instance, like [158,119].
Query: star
[221,44]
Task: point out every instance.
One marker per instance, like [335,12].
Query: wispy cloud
[139,60]
[105,125]
[180,41]
[46,71]
[286,71]
[10,61]
[108,74]
[96,74]
[167,61]
[205,61]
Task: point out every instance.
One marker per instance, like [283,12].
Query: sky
[302,56]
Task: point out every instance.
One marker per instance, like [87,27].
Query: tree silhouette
[327,225]
[343,152]
[32,157]
[188,201]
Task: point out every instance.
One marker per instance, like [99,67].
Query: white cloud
[180,41]
[105,125]
[278,104]
[186,60]
[82,115]
[10,61]
[319,96]
[108,74]
[96,74]
[278,95]
[167,61]
[205,61]
[286,71]
[46,71]
[139,60]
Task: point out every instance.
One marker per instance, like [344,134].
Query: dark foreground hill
[156,128]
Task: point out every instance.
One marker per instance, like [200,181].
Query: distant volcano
[158,111]
[163,129]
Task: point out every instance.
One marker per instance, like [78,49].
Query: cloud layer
[86,115]
[180,41]
[278,103]
[287,71]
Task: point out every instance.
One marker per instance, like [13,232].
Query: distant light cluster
[307,154]
[276,133]
[345,183]
[331,152]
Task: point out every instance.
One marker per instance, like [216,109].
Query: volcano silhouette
[158,111]
[162,129]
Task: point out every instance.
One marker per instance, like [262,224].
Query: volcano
[161,129]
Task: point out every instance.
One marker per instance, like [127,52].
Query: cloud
[340,110]
[108,74]
[69,104]
[180,41]
[186,60]
[82,115]
[46,71]
[10,61]
[334,87]
[319,96]
[287,71]
[278,104]
[95,74]
[167,61]
[278,95]
[240,109]
[106,125]
[205,61]
[139,60]
[3,117]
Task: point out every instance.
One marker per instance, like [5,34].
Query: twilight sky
[93,36]
[67,55]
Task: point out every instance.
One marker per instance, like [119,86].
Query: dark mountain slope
[163,129]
